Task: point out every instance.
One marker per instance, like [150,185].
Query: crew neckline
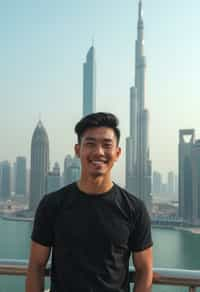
[94,195]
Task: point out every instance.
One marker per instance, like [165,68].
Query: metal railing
[162,276]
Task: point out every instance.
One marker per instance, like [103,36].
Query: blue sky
[43,46]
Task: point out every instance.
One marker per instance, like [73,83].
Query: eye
[90,143]
[107,145]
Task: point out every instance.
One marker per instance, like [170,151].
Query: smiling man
[93,225]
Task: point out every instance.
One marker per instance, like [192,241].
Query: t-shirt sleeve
[43,223]
[141,238]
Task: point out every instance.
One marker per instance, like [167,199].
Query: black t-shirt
[91,237]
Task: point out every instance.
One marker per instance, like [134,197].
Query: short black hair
[96,120]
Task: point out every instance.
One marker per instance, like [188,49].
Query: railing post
[192,289]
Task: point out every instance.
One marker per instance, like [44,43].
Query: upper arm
[140,237]
[39,254]
[43,227]
[143,260]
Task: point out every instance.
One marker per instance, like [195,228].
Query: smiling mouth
[98,162]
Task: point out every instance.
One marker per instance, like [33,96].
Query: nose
[99,149]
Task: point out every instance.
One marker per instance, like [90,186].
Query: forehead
[99,133]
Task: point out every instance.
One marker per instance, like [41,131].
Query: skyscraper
[66,174]
[5,180]
[189,177]
[171,182]
[157,182]
[75,169]
[53,179]
[72,169]
[89,83]
[39,165]
[185,173]
[138,163]
[196,183]
[20,176]
[176,184]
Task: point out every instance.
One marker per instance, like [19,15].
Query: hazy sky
[43,46]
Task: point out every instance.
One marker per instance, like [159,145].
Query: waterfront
[172,249]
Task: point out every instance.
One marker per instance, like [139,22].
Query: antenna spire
[140,13]
[93,41]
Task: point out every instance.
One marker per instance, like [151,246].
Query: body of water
[172,249]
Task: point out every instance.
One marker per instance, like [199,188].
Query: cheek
[111,158]
[84,155]
[115,157]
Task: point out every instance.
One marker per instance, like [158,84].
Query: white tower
[89,83]
[138,164]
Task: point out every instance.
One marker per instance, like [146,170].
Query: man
[92,225]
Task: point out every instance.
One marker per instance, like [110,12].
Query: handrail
[161,276]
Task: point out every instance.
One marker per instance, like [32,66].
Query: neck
[96,185]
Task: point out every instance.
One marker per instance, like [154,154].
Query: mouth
[98,162]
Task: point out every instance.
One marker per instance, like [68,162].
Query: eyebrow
[94,139]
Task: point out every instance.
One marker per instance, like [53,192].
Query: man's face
[97,151]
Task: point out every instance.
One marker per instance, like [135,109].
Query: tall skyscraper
[72,169]
[53,179]
[189,177]
[20,176]
[185,173]
[157,182]
[196,183]
[13,178]
[66,174]
[75,169]
[5,180]
[176,184]
[138,163]
[171,182]
[39,165]
[89,83]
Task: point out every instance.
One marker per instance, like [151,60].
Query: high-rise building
[196,183]
[171,182]
[39,165]
[157,182]
[20,176]
[186,200]
[176,184]
[75,169]
[72,169]
[13,178]
[164,188]
[66,174]
[89,83]
[5,180]
[138,163]
[53,179]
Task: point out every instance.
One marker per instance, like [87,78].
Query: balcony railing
[162,276]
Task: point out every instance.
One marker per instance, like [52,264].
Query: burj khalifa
[138,163]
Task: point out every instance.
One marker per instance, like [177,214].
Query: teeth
[98,161]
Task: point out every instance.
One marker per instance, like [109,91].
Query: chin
[97,174]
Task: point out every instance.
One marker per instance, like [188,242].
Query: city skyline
[42,72]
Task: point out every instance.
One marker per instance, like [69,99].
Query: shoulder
[47,213]
[135,204]
[52,201]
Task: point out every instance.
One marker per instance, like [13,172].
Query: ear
[118,153]
[77,150]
